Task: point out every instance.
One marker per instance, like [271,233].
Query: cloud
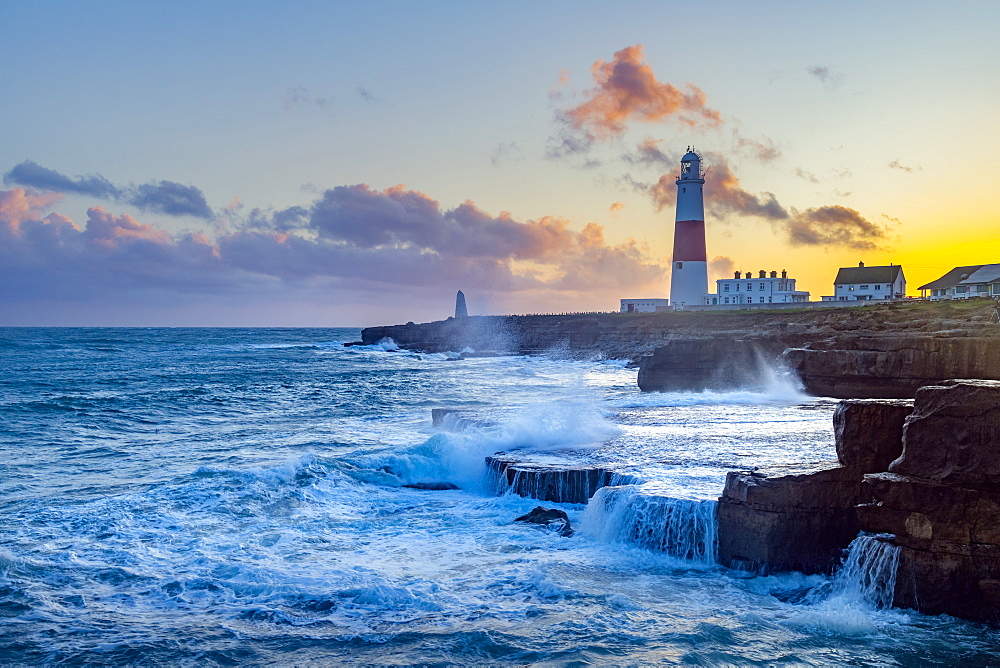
[833,226]
[895,164]
[627,90]
[30,173]
[300,95]
[168,197]
[829,78]
[394,241]
[807,176]
[649,154]
[506,152]
[18,205]
[367,95]
[764,151]
[720,266]
[616,206]
[723,194]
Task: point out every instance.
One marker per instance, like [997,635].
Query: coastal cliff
[880,351]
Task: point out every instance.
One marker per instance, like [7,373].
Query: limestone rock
[949,539]
[953,435]
[869,432]
[698,364]
[892,366]
[569,484]
[788,518]
[550,517]
[941,500]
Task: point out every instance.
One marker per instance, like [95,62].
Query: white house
[978,280]
[644,305]
[763,289]
[863,283]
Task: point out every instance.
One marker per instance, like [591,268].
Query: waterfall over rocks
[869,571]
[680,527]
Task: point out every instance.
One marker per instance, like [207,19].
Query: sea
[239,496]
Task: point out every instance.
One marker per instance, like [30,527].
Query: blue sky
[879,116]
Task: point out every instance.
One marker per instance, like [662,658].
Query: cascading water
[869,571]
[680,527]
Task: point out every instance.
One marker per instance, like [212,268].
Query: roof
[953,277]
[855,275]
[988,273]
[690,156]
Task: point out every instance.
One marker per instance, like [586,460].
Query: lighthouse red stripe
[689,241]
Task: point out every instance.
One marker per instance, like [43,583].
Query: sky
[353,164]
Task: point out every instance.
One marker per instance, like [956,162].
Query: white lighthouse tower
[689,271]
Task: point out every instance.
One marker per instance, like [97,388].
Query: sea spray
[683,528]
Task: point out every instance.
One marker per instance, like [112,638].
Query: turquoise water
[220,496]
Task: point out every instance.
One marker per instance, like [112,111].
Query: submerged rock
[431,486]
[553,518]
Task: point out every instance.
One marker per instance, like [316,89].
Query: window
[878,287]
[996,288]
[961,289]
[862,287]
[761,300]
[684,190]
[762,286]
[725,288]
[749,286]
[981,288]
[749,300]
[679,265]
[727,300]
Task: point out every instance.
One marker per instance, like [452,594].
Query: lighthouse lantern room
[689,270]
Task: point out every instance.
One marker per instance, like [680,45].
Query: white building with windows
[978,280]
[863,283]
[644,305]
[763,289]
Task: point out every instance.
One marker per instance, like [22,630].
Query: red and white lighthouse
[689,271]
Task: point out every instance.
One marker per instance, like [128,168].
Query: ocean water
[236,496]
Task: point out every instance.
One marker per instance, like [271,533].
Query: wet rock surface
[550,517]
[549,483]
[941,500]
[788,518]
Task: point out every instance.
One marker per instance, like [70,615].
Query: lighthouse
[689,271]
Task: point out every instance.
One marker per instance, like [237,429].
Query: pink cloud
[628,90]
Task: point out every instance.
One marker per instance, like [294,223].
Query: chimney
[763,274]
[861,264]
[774,274]
[737,274]
[784,274]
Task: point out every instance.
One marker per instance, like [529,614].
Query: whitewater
[239,496]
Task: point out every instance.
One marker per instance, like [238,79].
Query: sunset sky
[350,164]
